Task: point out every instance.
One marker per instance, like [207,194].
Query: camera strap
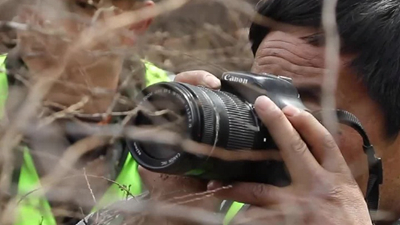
[374,163]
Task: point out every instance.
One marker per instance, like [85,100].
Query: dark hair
[369,28]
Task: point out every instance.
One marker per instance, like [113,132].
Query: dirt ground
[203,34]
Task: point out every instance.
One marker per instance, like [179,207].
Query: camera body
[222,118]
[249,86]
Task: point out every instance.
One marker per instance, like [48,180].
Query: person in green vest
[84,73]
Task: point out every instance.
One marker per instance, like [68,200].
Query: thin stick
[332,59]
[88,184]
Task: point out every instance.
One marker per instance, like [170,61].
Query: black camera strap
[374,163]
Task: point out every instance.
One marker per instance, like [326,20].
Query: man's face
[92,69]
[287,52]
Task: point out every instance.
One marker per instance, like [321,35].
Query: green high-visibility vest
[234,208]
[34,209]
[3,84]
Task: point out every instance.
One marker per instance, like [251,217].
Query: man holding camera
[329,177]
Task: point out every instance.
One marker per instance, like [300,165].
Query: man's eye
[85,5]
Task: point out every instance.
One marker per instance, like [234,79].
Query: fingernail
[290,111]
[264,103]
[212,185]
[212,82]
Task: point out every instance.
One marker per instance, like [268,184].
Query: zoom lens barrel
[211,117]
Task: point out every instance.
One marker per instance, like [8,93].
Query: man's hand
[323,190]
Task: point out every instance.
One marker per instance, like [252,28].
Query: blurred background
[203,34]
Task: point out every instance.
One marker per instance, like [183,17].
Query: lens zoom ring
[209,116]
[241,121]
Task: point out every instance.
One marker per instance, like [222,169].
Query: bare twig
[198,196]
[63,113]
[162,136]
[332,65]
[88,184]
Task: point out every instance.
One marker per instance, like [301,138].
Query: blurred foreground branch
[332,59]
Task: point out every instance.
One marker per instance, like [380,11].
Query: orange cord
[105,121]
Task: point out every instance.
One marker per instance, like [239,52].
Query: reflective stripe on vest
[154,74]
[129,178]
[3,84]
[33,208]
[232,211]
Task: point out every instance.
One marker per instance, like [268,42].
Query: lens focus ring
[208,116]
[226,119]
[241,122]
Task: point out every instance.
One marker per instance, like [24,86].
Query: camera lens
[212,117]
[165,112]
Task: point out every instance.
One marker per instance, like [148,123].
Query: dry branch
[332,59]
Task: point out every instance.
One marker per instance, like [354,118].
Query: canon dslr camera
[223,118]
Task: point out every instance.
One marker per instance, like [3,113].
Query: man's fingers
[249,193]
[320,141]
[199,77]
[295,153]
